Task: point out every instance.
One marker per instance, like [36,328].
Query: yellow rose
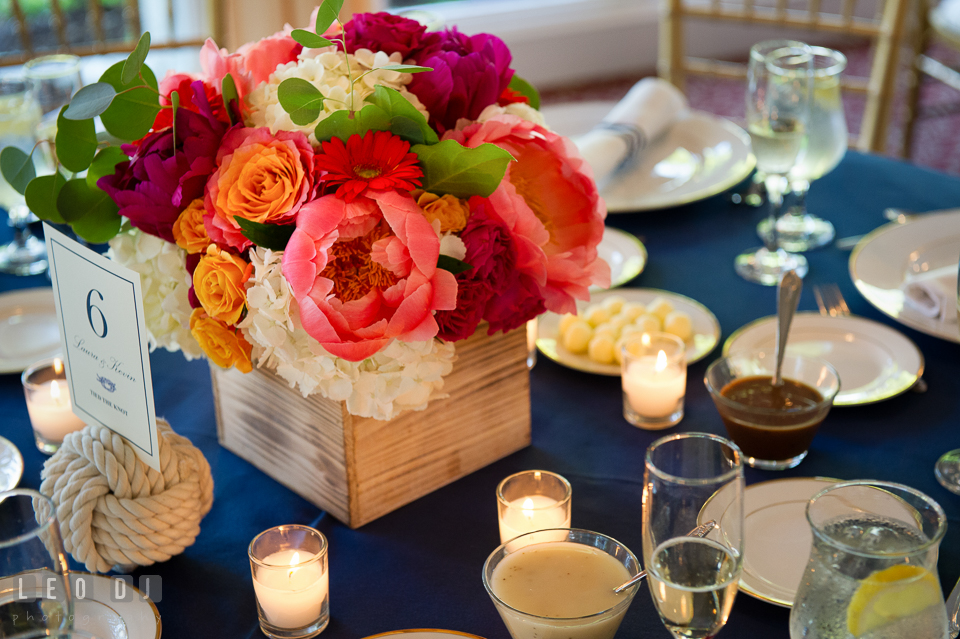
[188,231]
[224,345]
[450,210]
[218,283]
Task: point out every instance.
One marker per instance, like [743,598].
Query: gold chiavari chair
[886,29]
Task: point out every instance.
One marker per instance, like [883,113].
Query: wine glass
[827,138]
[947,468]
[778,109]
[693,581]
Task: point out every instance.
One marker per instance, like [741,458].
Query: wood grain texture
[360,469]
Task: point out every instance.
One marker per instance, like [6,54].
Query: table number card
[100,309]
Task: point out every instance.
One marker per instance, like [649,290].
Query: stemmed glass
[779,83]
[693,581]
[827,138]
[947,468]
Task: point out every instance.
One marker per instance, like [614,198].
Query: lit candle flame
[527,508]
[293,562]
[55,390]
[661,362]
[57,366]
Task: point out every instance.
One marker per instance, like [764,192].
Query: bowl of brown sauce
[772,425]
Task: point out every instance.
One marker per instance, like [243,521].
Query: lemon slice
[890,594]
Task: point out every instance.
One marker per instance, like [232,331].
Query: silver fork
[831,303]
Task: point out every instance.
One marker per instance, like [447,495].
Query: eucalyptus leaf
[452,264]
[269,236]
[525,89]
[105,164]
[41,197]
[90,101]
[76,142]
[450,168]
[131,66]
[100,225]
[404,68]
[231,99]
[328,13]
[174,104]
[343,124]
[309,39]
[301,100]
[133,110]
[395,104]
[17,168]
[90,211]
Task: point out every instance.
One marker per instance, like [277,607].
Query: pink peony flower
[557,184]
[388,33]
[358,295]
[251,64]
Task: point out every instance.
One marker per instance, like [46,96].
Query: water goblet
[779,83]
[693,580]
[947,468]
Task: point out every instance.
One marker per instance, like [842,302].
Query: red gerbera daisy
[379,161]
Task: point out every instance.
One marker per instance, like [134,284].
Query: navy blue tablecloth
[419,567]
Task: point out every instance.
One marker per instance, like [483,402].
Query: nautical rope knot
[114,509]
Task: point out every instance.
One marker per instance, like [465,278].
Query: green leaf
[270,236]
[395,104]
[525,89]
[340,124]
[452,264]
[105,164]
[449,167]
[231,99]
[90,101]
[328,14]
[131,66]
[17,168]
[404,68]
[42,195]
[174,104]
[133,110]
[76,142]
[309,39]
[91,212]
[301,100]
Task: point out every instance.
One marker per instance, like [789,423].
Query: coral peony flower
[450,211]
[251,64]
[182,83]
[357,296]
[379,160]
[157,183]
[388,33]
[261,177]
[224,345]
[218,283]
[557,184]
[469,73]
[188,231]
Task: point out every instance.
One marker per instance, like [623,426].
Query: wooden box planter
[358,468]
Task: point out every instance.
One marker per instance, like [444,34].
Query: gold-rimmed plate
[874,361]
[139,613]
[706,329]
[423,633]
[626,255]
[29,330]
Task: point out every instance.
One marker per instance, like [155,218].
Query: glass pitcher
[872,572]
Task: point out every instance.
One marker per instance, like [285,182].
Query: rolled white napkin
[643,115]
[933,294]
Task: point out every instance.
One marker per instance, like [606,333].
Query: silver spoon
[700,531]
[788,296]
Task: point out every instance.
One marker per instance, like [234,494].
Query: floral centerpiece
[340,204]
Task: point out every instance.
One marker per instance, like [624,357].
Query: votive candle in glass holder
[532,500]
[654,376]
[48,403]
[291,582]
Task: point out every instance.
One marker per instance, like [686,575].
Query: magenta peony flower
[469,74]
[388,33]
[156,184]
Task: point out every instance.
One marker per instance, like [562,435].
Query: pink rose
[252,63]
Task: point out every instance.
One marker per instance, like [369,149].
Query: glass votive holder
[54,79]
[654,377]
[48,404]
[291,582]
[532,500]
[531,343]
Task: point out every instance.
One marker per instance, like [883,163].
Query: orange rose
[218,283]
[260,176]
[224,345]
[450,210]
[188,231]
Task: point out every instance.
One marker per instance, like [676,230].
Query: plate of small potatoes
[591,340]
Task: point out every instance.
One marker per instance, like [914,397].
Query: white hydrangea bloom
[327,69]
[520,109]
[165,283]
[403,376]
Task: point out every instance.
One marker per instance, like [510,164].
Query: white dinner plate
[29,330]
[626,255]
[700,156]
[139,613]
[874,361]
[423,633]
[706,329]
[11,465]
[883,259]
